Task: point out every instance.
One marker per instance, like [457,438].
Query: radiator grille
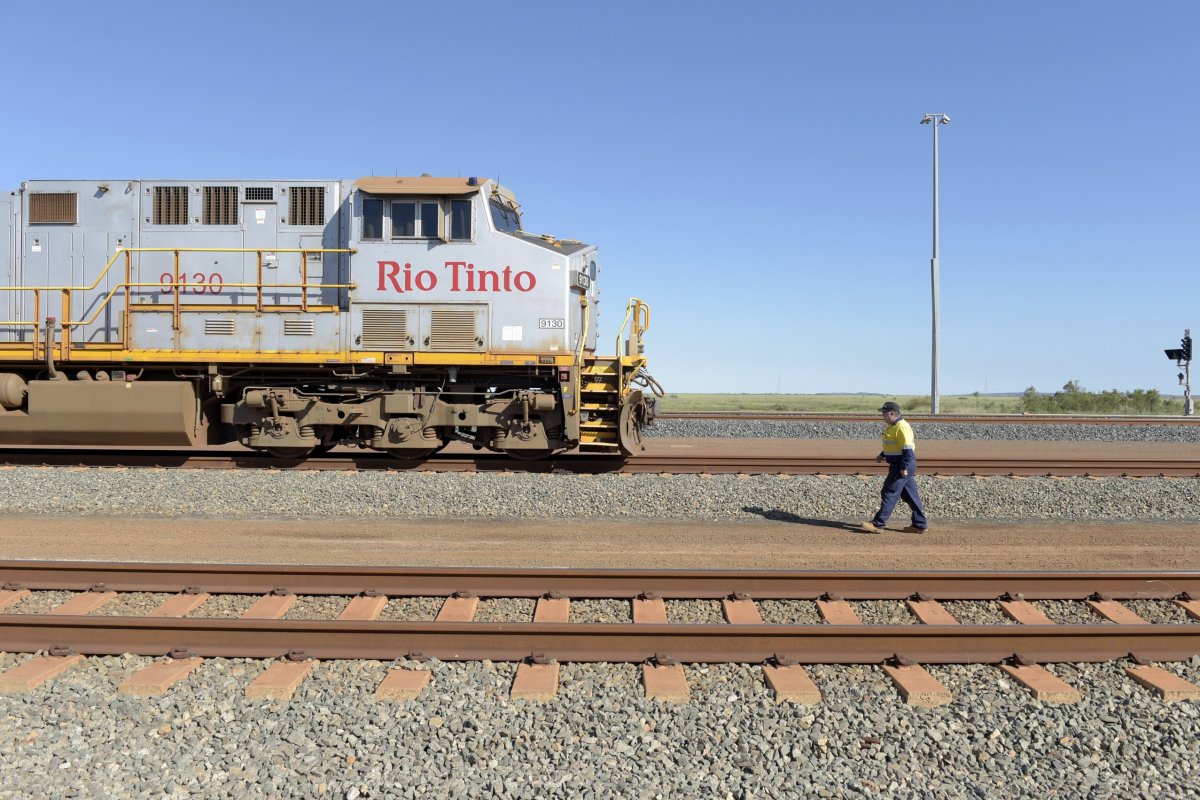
[53,208]
[299,327]
[452,329]
[260,193]
[306,205]
[220,205]
[170,205]
[218,327]
[385,329]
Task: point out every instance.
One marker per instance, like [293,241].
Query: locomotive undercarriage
[521,415]
[523,412]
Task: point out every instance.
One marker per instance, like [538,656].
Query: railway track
[353,460]
[454,635]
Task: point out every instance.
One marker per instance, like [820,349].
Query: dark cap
[890,406]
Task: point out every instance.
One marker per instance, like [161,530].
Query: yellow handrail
[127,284]
[640,311]
[120,250]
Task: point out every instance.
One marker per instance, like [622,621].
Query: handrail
[176,284]
[120,250]
[640,310]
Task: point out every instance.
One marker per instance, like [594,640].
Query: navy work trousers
[897,487]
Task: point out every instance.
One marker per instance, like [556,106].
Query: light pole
[936,120]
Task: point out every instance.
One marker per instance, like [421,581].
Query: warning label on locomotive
[550,324]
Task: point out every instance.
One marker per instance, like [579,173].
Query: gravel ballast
[465,737]
[230,494]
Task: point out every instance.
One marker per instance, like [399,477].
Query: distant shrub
[1074,399]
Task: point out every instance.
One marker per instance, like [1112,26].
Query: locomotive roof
[424,184]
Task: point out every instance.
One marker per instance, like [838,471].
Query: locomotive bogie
[399,421]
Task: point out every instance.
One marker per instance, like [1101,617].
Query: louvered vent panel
[53,208]
[220,205]
[452,329]
[299,327]
[260,194]
[385,329]
[306,205]
[170,205]
[218,327]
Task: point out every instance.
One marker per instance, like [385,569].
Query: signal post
[1182,356]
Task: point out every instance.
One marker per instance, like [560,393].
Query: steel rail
[586,464]
[622,642]
[592,583]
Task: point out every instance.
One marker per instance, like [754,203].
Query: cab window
[505,219]
[415,220]
[460,219]
[372,218]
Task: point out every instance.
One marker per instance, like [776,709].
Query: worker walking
[900,452]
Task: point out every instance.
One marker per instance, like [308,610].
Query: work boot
[869,527]
[914,529]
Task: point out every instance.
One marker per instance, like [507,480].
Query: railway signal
[1182,356]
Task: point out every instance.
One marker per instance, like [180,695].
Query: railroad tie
[1192,607]
[931,612]
[664,680]
[1113,611]
[917,686]
[1042,684]
[280,680]
[740,610]
[836,611]
[790,683]
[1025,612]
[1167,685]
[552,609]
[270,606]
[180,605]
[10,597]
[155,679]
[36,671]
[458,608]
[365,607]
[83,603]
[402,685]
[536,680]
[649,609]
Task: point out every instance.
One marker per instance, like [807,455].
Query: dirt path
[801,544]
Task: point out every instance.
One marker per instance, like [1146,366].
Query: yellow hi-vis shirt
[899,444]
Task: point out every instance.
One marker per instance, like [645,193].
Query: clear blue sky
[756,171]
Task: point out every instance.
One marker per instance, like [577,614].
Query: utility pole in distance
[936,120]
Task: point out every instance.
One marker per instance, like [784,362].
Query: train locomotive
[397,314]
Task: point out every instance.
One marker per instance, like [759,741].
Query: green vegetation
[1074,399]
[839,403]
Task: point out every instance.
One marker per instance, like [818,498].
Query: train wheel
[290,452]
[529,455]
[629,428]
[412,455]
[416,455]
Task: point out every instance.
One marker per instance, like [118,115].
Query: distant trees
[1074,399]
